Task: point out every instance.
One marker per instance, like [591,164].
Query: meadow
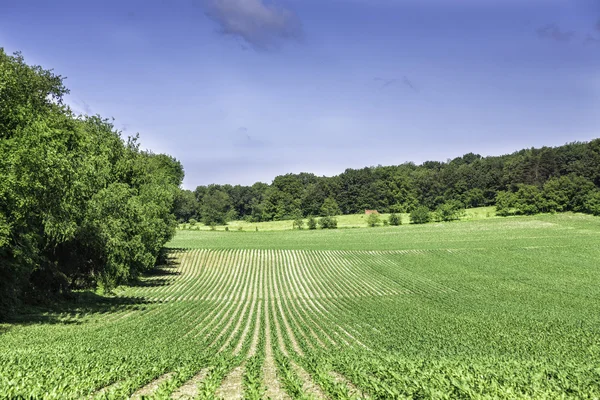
[481,308]
[344,221]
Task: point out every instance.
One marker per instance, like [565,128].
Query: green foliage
[373,220]
[79,207]
[330,208]
[472,180]
[592,203]
[193,222]
[505,202]
[328,223]
[395,219]
[449,211]
[186,206]
[420,215]
[311,222]
[214,208]
[298,223]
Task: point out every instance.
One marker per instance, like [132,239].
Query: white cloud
[260,25]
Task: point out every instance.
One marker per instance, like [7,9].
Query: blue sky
[243,90]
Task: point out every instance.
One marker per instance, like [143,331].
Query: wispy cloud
[385,82]
[262,26]
[407,82]
[590,40]
[244,140]
[553,32]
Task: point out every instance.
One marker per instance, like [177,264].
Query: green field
[487,308]
[344,221]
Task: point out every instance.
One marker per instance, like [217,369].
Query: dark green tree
[420,215]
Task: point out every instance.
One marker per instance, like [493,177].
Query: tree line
[80,207]
[547,179]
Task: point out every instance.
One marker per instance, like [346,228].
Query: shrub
[449,211]
[298,223]
[312,222]
[592,203]
[504,203]
[193,222]
[386,222]
[395,219]
[420,215]
[328,223]
[373,220]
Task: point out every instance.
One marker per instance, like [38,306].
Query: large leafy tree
[79,206]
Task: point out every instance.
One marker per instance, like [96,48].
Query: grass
[344,221]
[484,308]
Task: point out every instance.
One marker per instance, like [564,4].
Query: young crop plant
[355,313]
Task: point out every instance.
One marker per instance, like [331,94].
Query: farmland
[498,307]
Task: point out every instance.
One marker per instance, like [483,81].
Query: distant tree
[474,198]
[592,203]
[449,211]
[420,215]
[312,222]
[328,223]
[373,220]
[214,208]
[395,219]
[298,223]
[330,207]
[567,193]
[504,203]
[186,206]
[528,200]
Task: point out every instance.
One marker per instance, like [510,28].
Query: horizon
[269,182]
[241,91]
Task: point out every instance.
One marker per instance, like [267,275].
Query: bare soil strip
[189,390]
[308,386]
[352,389]
[150,388]
[232,387]
[101,392]
[274,389]
[255,336]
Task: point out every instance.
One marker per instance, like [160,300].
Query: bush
[386,222]
[298,223]
[449,211]
[592,203]
[311,223]
[193,222]
[373,220]
[328,223]
[420,215]
[504,203]
[395,219]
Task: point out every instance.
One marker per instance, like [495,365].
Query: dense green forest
[548,179]
[80,207]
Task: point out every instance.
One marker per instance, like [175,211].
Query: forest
[529,181]
[80,206]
